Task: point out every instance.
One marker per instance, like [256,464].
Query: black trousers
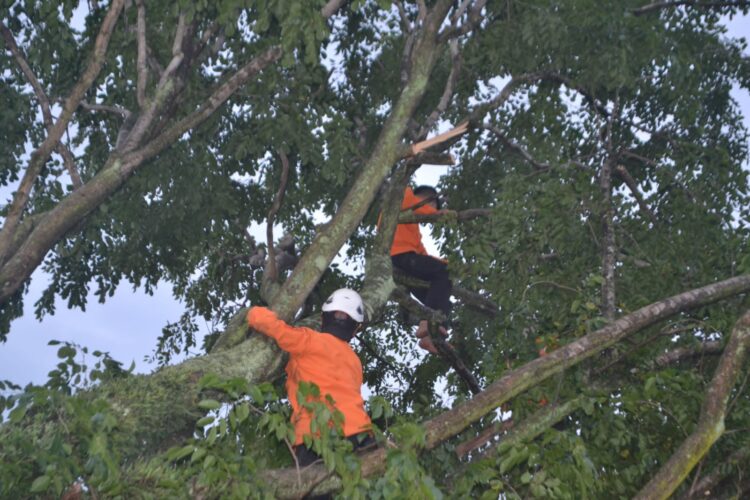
[424,267]
[305,456]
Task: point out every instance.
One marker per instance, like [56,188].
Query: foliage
[592,85]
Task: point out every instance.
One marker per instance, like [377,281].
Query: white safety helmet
[348,301]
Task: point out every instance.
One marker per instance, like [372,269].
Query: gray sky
[128,324]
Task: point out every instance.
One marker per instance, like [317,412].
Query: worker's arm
[410,200]
[292,340]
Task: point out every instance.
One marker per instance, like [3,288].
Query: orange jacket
[407,237]
[327,361]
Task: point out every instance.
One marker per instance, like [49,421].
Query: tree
[602,142]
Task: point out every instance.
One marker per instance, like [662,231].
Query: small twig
[551,283]
[118,110]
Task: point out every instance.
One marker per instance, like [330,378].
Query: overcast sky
[128,324]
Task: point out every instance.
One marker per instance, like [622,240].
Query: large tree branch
[40,156]
[711,421]
[452,422]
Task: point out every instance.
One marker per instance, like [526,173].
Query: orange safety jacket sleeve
[289,338]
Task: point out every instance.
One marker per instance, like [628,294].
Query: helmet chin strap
[341,328]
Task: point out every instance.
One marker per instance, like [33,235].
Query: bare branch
[410,217]
[711,421]
[682,353]
[142,51]
[331,7]
[422,11]
[406,26]
[473,20]
[68,159]
[41,96]
[483,438]
[609,248]
[271,270]
[445,99]
[517,148]
[691,3]
[445,350]
[40,156]
[118,110]
[471,299]
[623,173]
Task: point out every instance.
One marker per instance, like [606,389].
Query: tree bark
[711,421]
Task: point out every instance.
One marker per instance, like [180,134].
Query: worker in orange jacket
[409,255]
[326,359]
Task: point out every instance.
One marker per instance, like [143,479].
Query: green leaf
[40,484]
[209,404]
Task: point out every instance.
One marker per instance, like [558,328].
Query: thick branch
[141,58]
[470,298]
[711,421]
[410,217]
[40,156]
[668,358]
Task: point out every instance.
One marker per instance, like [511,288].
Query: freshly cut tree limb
[42,153]
[453,133]
[711,421]
[453,421]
